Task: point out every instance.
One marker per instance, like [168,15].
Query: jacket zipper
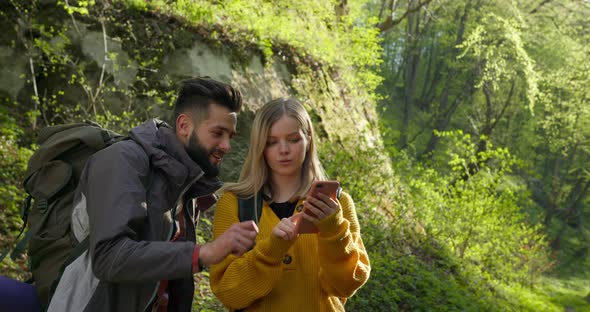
[170,235]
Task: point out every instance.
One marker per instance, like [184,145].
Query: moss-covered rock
[134,76]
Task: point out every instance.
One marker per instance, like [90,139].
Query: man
[135,203]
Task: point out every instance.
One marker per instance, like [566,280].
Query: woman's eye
[271,143]
[295,140]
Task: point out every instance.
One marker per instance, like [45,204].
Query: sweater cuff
[331,225]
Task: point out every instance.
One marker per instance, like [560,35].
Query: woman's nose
[283,148]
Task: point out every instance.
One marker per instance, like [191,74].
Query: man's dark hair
[196,94]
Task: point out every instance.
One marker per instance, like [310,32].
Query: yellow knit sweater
[316,272]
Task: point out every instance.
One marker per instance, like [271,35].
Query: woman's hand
[319,207]
[285,230]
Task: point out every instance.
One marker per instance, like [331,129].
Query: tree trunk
[445,112]
[411,71]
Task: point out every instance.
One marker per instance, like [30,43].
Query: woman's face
[286,146]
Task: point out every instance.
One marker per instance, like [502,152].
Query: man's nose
[225,145]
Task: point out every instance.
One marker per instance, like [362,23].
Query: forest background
[461,128]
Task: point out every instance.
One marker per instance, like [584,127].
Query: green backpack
[51,180]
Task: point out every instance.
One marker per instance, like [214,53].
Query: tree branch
[506,104]
[106,59]
[382,9]
[536,9]
[390,22]
[34,80]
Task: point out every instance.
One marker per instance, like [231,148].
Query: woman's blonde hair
[255,174]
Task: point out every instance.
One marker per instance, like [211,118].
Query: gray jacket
[127,200]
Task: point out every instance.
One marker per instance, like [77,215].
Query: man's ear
[184,127]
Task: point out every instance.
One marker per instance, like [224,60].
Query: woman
[286,271]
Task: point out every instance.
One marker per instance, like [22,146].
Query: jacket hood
[167,153]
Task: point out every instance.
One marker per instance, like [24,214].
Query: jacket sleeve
[344,263]
[117,210]
[239,281]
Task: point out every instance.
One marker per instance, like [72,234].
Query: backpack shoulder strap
[247,210]
[74,254]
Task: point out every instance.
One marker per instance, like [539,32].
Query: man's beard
[200,155]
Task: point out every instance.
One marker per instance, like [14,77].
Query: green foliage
[13,161]
[509,73]
[560,135]
[565,109]
[496,42]
[204,299]
[473,205]
[81,69]
[410,272]
[349,42]
[551,294]
[80,6]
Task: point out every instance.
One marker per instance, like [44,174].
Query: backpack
[50,181]
[246,210]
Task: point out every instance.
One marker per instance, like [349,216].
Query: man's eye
[217,133]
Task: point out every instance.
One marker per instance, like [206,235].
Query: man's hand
[237,239]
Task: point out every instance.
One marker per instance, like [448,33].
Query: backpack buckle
[42,205]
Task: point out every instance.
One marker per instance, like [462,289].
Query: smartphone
[329,188]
